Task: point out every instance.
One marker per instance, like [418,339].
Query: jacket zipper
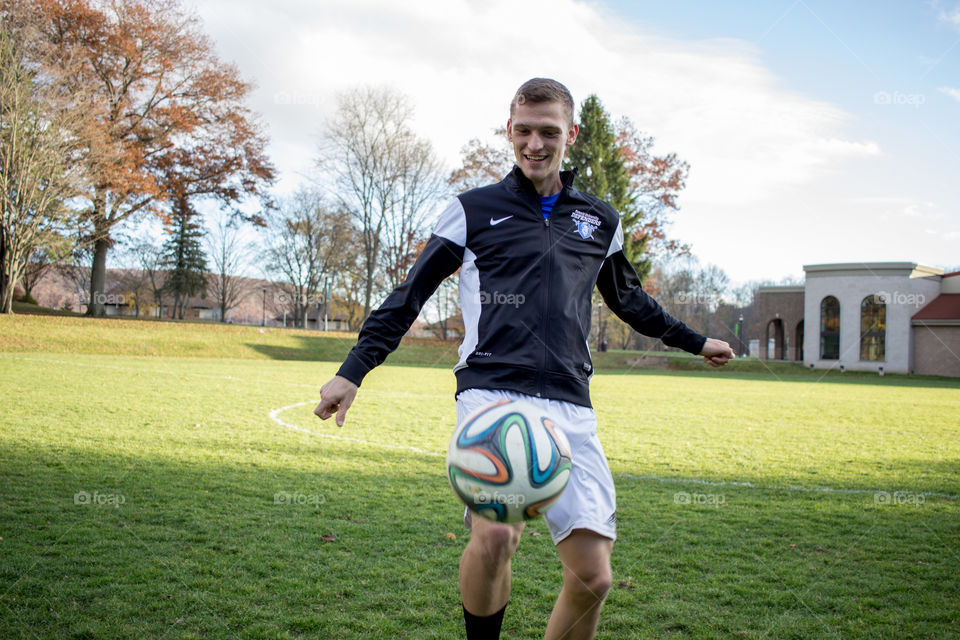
[546,302]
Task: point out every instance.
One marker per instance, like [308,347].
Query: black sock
[483,627]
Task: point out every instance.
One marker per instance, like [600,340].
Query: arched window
[873,328]
[830,329]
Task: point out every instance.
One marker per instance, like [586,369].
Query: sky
[816,131]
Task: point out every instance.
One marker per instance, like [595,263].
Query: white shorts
[590,500]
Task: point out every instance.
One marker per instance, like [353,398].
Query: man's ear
[572,133]
[510,130]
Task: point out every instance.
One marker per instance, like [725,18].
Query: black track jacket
[525,291]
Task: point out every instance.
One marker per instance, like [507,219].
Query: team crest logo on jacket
[585,223]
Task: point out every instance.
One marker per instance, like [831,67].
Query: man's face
[540,133]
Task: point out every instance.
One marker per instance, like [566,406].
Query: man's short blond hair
[543,90]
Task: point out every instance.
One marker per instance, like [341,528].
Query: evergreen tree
[598,154]
[183,256]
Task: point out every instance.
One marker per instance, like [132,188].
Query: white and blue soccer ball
[509,461]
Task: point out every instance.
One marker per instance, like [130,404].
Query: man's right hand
[717,352]
[336,397]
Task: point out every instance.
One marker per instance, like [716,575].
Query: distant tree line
[118,111]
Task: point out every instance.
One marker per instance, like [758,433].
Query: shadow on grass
[417,351]
[309,349]
[253,548]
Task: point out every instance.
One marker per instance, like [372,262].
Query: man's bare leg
[586,580]
[485,565]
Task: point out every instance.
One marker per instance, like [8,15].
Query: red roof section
[946,306]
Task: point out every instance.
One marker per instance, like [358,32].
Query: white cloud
[950,17]
[891,207]
[713,102]
[953,93]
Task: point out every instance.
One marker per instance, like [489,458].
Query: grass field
[150,496]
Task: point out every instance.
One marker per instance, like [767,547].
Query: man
[530,250]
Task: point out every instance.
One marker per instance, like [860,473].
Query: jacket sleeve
[384,328]
[622,292]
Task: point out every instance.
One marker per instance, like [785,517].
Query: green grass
[215,521]
[139,337]
[72,334]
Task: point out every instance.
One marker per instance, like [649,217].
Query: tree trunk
[6,289]
[98,273]
[601,326]
[367,293]
[6,301]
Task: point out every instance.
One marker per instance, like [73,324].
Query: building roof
[946,306]
[781,288]
[911,269]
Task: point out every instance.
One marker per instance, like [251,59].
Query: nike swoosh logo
[494,223]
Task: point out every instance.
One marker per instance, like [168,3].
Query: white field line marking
[275,416]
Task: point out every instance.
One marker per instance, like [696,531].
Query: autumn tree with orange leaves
[482,163]
[168,119]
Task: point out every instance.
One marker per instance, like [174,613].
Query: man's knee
[588,587]
[495,542]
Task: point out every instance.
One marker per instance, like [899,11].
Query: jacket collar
[521,183]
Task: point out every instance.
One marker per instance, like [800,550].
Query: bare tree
[308,243]
[348,286]
[37,168]
[72,270]
[446,306]
[134,284]
[50,249]
[382,174]
[229,255]
[417,192]
[150,260]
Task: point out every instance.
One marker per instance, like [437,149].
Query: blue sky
[855,56]
[816,131]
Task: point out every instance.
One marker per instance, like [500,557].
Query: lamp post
[263,307]
[326,302]
[740,334]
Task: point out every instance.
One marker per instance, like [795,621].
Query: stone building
[888,317]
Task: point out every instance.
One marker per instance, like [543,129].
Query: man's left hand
[717,353]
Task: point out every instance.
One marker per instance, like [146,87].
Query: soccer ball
[509,462]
